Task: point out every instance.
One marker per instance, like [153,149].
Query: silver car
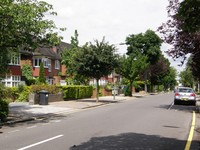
[185,95]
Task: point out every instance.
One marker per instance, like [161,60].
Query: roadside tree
[68,59]
[131,66]
[147,44]
[96,60]
[182,30]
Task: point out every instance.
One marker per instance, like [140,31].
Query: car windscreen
[185,90]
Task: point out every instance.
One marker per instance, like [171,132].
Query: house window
[11,81]
[15,59]
[57,64]
[37,62]
[49,65]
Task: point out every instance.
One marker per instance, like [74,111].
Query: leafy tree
[68,59]
[186,77]
[131,66]
[96,60]
[169,80]
[147,44]
[41,79]
[182,29]
[158,71]
[27,73]
[23,26]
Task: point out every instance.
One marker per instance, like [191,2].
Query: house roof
[52,52]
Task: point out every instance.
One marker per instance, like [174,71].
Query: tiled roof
[49,52]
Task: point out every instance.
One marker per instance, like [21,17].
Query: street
[150,122]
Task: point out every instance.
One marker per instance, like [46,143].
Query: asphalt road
[150,122]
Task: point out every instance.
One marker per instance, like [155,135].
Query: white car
[184,94]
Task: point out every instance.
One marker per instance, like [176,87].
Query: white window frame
[11,81]
[15,59]
[57,64]
[49,65]
[38,60]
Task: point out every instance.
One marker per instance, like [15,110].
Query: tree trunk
[97,100]
[131,88]
[145,82]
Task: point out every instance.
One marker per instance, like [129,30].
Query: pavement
[22,111]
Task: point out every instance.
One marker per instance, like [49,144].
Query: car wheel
[175,102]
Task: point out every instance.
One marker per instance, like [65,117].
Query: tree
[182,29]
[23,26]
[96,60]
[186,77]
[131,66]
[68,59]
[147,44]
[158,71]
[41,79]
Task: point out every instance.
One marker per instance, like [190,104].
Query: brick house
[54,71]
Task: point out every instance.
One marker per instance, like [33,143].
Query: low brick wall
[34,98]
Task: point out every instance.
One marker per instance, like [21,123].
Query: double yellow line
[189,141]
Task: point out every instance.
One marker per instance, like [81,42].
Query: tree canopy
[182,29]
[131,66]
[147,44]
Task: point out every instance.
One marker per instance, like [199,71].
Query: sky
[112,19]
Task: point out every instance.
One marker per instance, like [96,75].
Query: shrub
[23,96]
[3,109]
[76,91]
[108,86]
[52,89]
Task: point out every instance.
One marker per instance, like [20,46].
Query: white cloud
[114,19]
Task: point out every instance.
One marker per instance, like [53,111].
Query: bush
[3,109]
[23,96]
[126,90]
[52,89]
[77,91]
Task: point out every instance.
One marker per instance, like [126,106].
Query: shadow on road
[131,141]
[180,107]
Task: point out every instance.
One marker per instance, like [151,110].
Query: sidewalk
[21,112]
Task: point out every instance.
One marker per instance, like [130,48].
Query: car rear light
[177,94]
[192,94]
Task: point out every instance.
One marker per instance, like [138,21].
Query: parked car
[184,95]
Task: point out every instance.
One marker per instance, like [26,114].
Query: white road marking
[13,131]
[55,121]
[29,146]
[31,127]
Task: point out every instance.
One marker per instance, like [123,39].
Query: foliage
[24,26]
[182,29]
[77,92]
[131,66]
[96,60]
[4,109]
[42,79]
[186,76]
[159,70]
[27,73]
[147,45]
[108,86]
[52,89]
[68,59]
[169,80]
[23,94]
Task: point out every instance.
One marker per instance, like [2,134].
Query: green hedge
[76,91]
[3,109]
